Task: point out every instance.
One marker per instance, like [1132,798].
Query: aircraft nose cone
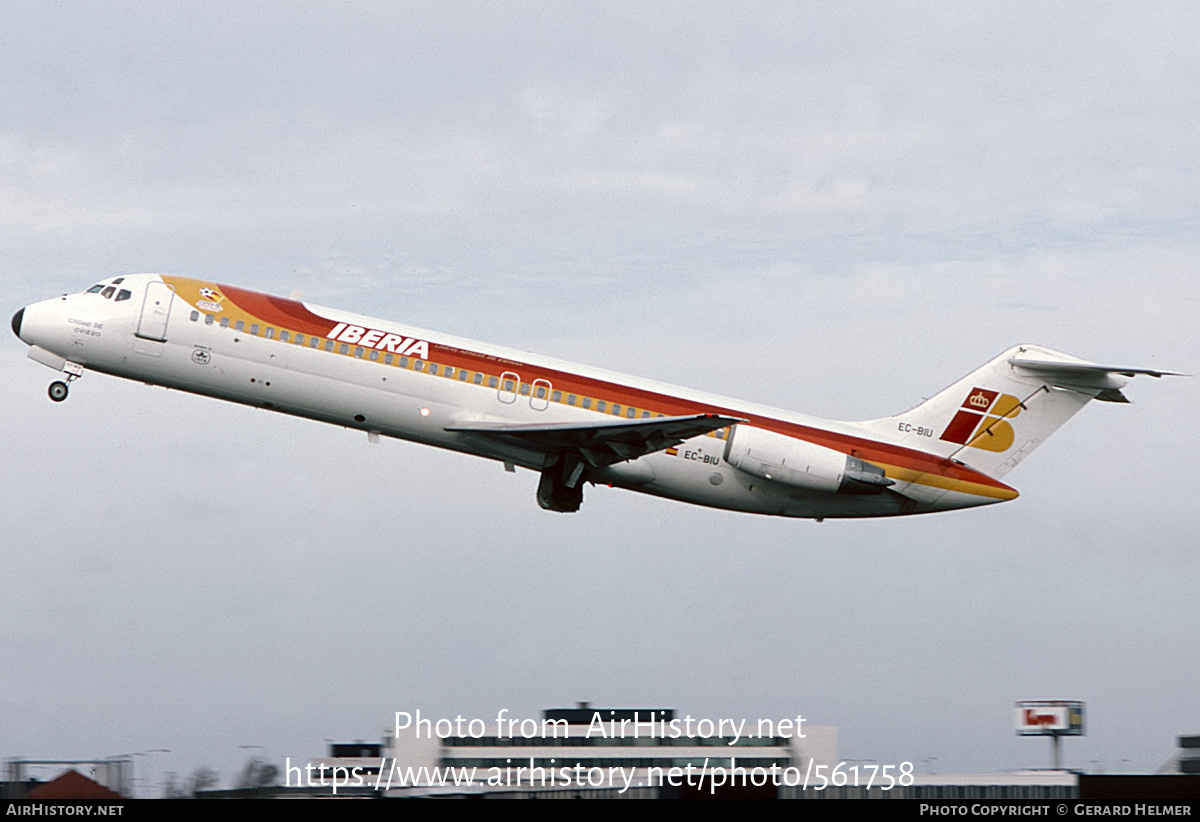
[17,322]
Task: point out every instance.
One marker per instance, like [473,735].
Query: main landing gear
[58,389]
[561,485]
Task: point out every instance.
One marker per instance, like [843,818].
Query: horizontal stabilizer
[603,442]
[1086,376]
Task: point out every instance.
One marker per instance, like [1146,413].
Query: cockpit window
[118,280]
[96,289]
[108,292]
[123,294]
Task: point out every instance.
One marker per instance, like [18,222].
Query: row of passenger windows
[540,389]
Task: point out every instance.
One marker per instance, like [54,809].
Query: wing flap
[603,442]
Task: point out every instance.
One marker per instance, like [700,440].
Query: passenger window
[195,315]
[108,292]
[645,414]
[433,368]
[631,413]
[587,402]
[419,365]
[329,345]
[343,349]
[254,329]
[616,410]
[123,294]
[570,399]
[493,382]
[271,333]
[524,389]
[224,322]
[556,396]
[508,385]
[404,362]
[374,355]
[449,371]
[462,375]
[601,406]
[541,392]
[239,325]
[358,351]
[478,378]
[389,358]
[208,319]
[314,342]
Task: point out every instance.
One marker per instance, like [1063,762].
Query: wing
[600,443]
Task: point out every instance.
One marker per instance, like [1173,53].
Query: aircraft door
[539,398]
[509,383]
[156,309]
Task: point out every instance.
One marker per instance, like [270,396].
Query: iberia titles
[380,340]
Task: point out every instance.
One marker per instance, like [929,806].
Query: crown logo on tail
[974,426]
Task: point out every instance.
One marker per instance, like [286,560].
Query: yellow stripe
[946,483]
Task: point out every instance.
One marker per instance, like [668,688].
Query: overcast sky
[833,208]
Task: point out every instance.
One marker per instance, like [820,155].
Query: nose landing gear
[58,389]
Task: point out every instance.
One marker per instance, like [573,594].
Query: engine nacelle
[801,464]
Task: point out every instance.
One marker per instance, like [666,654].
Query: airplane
[573,424]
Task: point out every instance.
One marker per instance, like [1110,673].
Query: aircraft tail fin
[996,416]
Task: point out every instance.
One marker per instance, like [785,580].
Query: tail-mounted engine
[801,464]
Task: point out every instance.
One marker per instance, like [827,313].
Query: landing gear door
[156,309]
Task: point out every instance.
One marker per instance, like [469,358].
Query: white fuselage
[403,382]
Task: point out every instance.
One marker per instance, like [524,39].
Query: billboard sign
[1049,718]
